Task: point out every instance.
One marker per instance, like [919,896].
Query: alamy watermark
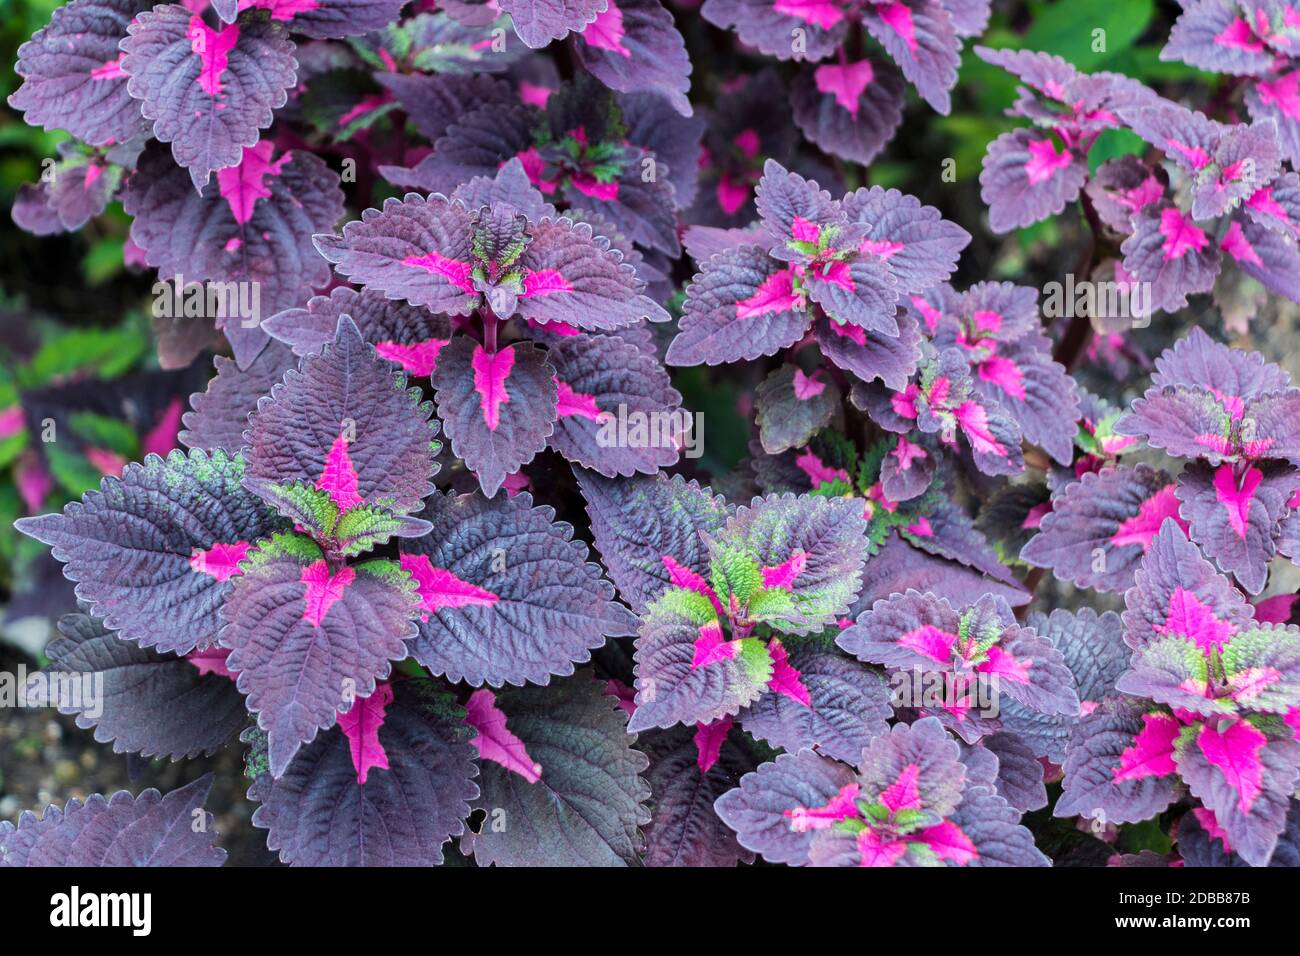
[633,428]
[69,691]
[1112,305]
[973,693]
[179,299]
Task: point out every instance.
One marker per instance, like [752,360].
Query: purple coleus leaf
[760,810]
[770,25]
[1019,779]
[911,803]
[1122,187]
[220,413]
[208,91]
[752,300]
[920,247]
[1220,36]
[809,551]
[342,432]
[72,73]
[1234,512]
[504,595]
[81,187]
[1176,591]
[850,110]
[588,805]
[538,22]
[996,326]
[900,567]
[438,254]
[1244,777]
[1202,841]
[161,585]
[684,828]
[1119,764]
[307,637]
[152,829]
[1172,254]
[150,704]
[687,671]
[600,380]
[980,645]
[1027,177]
[1228,164]
[891,359]
[247,236]
[634,46]
[329,19]
[319,814]
[499,409]
[1250,414]
[923,40]
[1100,526]
[847,703]
[1093,648]
[435,102]
[742,305]
[792,407]
[409,336]
[648,532]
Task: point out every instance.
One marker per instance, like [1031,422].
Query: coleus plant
[832,267]
[1253,41]
[1236,498]
[907,800]
[857,97]
[512,274]
[1035,171]
[409,656]
[1206,710]
[248,589]
[1231,203]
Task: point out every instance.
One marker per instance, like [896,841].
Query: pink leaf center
[324,590]
[490,374]
[439,588]
[495,741]
[361,726]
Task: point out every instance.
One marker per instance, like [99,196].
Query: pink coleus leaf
[1152,751]
[147,589]
[1117,511]
[617,383]
[1025,179]
[208,91]
[1246,778]
[634,46]
[72,74]
[1235,513]
[346,424]
[317,814]
[1176,591]
[197,236]
[494,740]
[498,410]
[1171,253]
[1095,755]
[305,637]
[486,620]
[767,25]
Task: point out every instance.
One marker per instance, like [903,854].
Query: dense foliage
[980,594]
